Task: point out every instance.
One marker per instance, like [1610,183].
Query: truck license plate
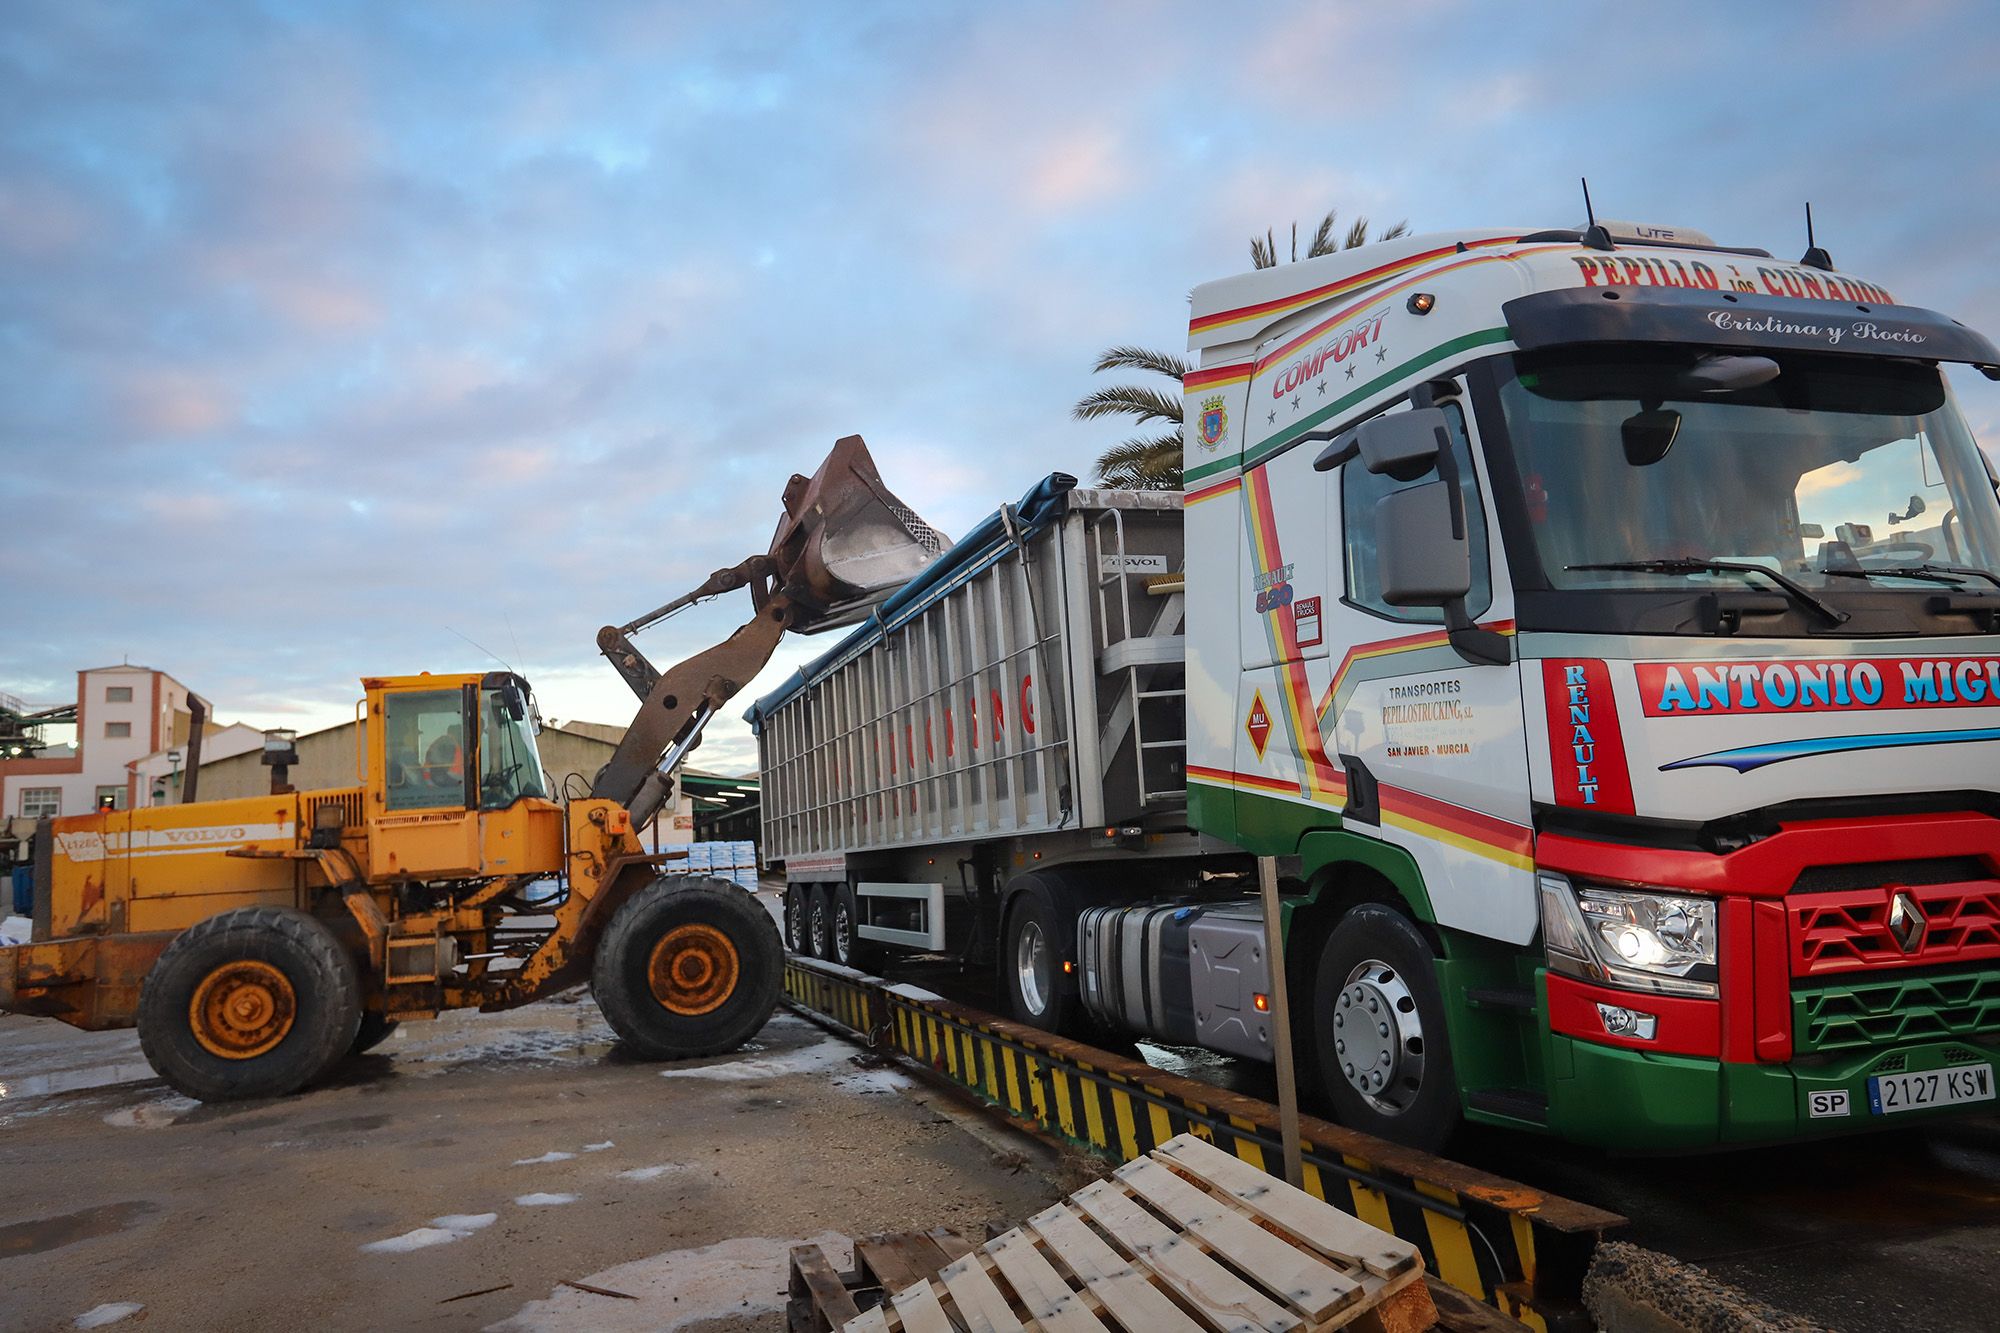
[1890,1093]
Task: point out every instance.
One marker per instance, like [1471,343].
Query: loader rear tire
[255,1002]
[375,1030]
[688,967]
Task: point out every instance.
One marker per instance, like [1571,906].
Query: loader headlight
[1661,942]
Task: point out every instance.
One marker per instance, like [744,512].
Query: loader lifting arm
[843,543]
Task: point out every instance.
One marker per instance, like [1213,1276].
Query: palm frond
[1322,241]
[1142,464]
[1400,229]
[1357,234]
[1140,402]
[1264,253]
[1126,357]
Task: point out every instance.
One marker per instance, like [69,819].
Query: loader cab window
[424,751]
[1361,490]
[510,767]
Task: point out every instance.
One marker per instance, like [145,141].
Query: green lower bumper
[1633,1101]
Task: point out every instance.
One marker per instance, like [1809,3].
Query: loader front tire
[255,1002]
[688,968]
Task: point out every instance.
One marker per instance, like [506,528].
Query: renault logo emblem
[1907,922]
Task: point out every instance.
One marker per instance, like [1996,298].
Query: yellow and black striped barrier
[1512,1246]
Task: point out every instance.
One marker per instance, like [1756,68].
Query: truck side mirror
[1403,445]
[1422,557]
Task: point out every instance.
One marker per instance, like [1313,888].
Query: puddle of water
[442,1231]
[739,1280]
[153,1115]
[76,1080]
[52,1233]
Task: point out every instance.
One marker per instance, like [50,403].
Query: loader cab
[453,781]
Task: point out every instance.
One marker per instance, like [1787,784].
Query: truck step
[1521,999]
[1514,1103]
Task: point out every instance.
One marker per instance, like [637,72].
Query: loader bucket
[845,541]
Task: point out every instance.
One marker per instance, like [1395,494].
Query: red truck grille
[1844,930]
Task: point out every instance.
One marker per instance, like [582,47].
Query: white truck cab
[1617,609]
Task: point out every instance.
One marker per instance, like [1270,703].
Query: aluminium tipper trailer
[994,764]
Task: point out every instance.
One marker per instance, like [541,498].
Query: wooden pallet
[1188,1240]
[824,1298]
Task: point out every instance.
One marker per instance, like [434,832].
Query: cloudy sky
[338,335]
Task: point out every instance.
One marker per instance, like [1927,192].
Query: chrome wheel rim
[843,934]
[795,923]
[818,920]
[1378,1038]
[1031,968]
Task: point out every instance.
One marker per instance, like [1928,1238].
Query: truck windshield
[1836,473]
[510,766]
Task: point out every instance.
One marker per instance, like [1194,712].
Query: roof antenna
[1594,236]
[484,649]
[1814,256]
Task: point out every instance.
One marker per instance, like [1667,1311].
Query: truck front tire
[688,968]
[255,1002]
[1380,1050]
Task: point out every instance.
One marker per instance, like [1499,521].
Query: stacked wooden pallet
[1189,1239]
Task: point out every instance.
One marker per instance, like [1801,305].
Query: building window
[115,731]
[118,694]
[110,798]
[41,802]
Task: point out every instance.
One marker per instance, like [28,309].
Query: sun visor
[1751,321]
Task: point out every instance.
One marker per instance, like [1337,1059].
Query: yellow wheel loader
[256,942]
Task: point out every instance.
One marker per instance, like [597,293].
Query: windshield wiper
[1798,591]
[1928,570]
[1921,573]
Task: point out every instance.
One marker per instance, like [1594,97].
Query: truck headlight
[1661,942]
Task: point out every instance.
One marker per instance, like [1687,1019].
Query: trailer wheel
[687,968]
[1382,1055]
[819,922]
[849,949]
[796,912]
[1031,967]
[255,1002]
[375,1030]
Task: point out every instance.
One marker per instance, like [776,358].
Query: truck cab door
[423,782]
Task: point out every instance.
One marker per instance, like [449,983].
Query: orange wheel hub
[242,1010]
[693,969]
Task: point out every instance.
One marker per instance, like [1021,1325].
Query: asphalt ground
[457,1177]
[1894,1229]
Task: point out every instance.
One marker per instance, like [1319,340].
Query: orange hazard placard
[1258,724]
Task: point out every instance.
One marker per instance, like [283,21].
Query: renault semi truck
[1600,626]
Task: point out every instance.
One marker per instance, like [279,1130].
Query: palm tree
[1152,462]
